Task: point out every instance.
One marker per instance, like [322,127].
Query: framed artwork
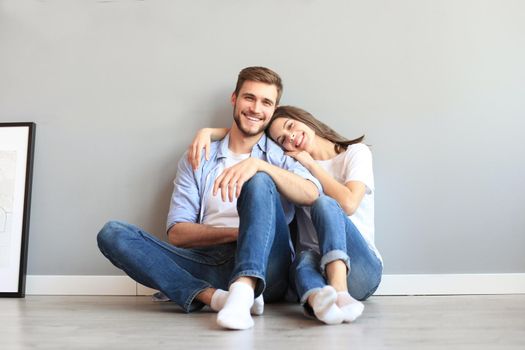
[17,141]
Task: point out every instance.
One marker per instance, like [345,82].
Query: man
[227,225]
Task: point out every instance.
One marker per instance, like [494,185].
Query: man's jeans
[339,239]
[262,251]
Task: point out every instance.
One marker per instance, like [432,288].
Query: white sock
[258,306]
[350,307]
[236,311]
[219,298]
[324,306]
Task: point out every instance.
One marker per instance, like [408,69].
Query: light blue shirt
[192,188]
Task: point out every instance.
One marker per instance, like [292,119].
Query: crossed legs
[258,262]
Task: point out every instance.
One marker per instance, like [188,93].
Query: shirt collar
[223,147]
[260,146]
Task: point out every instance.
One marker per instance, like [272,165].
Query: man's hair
[261,75]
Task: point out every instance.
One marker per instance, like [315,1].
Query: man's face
[253,107]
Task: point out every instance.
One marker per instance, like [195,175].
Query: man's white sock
[219,298]
[236,311]
[258,306]
[350,307]
[324,306]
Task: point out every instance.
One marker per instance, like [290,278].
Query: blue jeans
[339,239]
[262,251]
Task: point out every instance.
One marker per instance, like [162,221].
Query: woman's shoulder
[358,149]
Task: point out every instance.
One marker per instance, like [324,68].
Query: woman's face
[292,135]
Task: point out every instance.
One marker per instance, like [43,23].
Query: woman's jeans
[262,251]
[339,239]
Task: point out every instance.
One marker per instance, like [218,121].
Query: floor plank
[415,322]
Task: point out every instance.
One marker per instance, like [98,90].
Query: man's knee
[256,187]
[111,233]
[258,181]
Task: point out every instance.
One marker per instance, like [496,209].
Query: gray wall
[118,88]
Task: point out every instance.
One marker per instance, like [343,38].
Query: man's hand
[232,179]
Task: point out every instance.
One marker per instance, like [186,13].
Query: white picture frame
[16,173]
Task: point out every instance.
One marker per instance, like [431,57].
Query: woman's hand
[202,140]
[302,157]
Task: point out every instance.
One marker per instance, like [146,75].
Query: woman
[337,263]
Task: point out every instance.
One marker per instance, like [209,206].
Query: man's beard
[237,119]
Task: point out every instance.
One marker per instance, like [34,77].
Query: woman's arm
[202,140]
[293,187]
[348,196]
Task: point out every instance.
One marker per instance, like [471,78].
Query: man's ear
[234,98]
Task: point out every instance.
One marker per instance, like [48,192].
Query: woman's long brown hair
[320,128]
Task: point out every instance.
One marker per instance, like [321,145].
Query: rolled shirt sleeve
[185,199]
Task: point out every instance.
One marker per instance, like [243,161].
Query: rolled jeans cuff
[334,255]
[192,304]
[304,298]
[260,284]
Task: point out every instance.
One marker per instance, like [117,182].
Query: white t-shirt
[355,164]
[217,212]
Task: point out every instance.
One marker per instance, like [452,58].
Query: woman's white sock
[325,308]
[350,307]
[236,311]
[219,297]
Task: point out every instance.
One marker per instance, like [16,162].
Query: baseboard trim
[450,284]
[80,285]
[416,284]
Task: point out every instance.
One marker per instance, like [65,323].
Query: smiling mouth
[252,118]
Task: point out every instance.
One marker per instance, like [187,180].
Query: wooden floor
[92,322]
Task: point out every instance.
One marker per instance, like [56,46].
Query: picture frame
[17,142]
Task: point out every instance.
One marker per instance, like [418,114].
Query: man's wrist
[262,166]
